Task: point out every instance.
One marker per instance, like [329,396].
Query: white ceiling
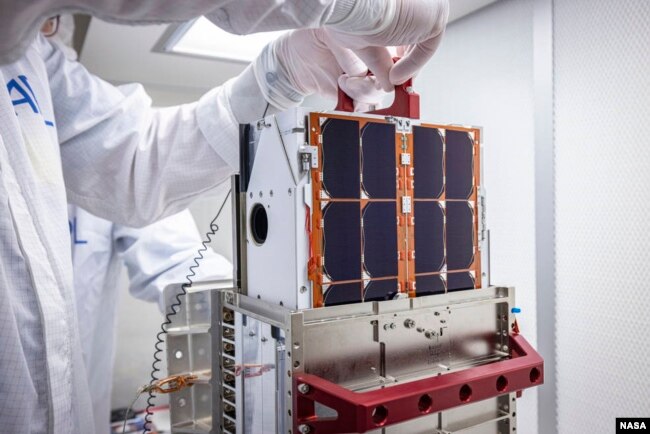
[124,54]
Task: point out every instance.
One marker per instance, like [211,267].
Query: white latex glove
[304,62]
[416,26]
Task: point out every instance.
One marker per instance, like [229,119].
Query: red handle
[406,103]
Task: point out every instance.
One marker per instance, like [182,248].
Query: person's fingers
[380,62]
[347,60]
[414,59]
[366,90]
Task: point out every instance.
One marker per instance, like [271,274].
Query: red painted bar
[362,412]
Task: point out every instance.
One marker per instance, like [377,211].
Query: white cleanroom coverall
[155,256]
[122,160]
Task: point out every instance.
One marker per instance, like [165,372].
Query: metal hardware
[309,157]
[303,388]
[362,412]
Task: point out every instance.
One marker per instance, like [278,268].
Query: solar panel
[341,158]
[380,239]
[429,237]
[460,281]
[459,165]
[429,284]
[342,241]
[392,211]
[460,235]
[378,160]
[343,293]
[378,290]
[427,163]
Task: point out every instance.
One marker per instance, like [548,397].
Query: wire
[173,310]
[130,407]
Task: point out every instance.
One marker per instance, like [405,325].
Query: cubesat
[361,300]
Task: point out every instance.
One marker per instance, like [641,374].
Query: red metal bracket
[406,103]
[366,411]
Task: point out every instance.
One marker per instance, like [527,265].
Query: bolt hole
[425,403]
[502,383]
[465,393]
[178,354]
[296,364]
[379,415]
[535,375]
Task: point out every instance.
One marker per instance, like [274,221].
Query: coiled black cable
[173,310]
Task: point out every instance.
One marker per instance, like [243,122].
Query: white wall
[602,164]
[483,75]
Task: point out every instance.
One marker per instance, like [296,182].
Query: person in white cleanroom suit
[155,256]
[55,117]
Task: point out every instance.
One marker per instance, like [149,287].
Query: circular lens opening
[259,223]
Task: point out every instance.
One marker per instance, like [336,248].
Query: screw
[393,326]
[409,323]
[420,329]
[304,429]
[303,289]
[303,388]
[386,326]
[429,334]
[271,193]
[263,339]
[504,348]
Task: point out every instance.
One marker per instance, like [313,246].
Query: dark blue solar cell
[342,240]
[459,165]
[380,239]
[427,163]
[378,160]
[343,293]
[429,237]
[378,290]
[459,281]
[460,235]
[429,284]
[341,165]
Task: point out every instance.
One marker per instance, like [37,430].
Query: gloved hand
[305,62]
[415,26]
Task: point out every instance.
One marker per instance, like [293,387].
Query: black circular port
[259,223]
